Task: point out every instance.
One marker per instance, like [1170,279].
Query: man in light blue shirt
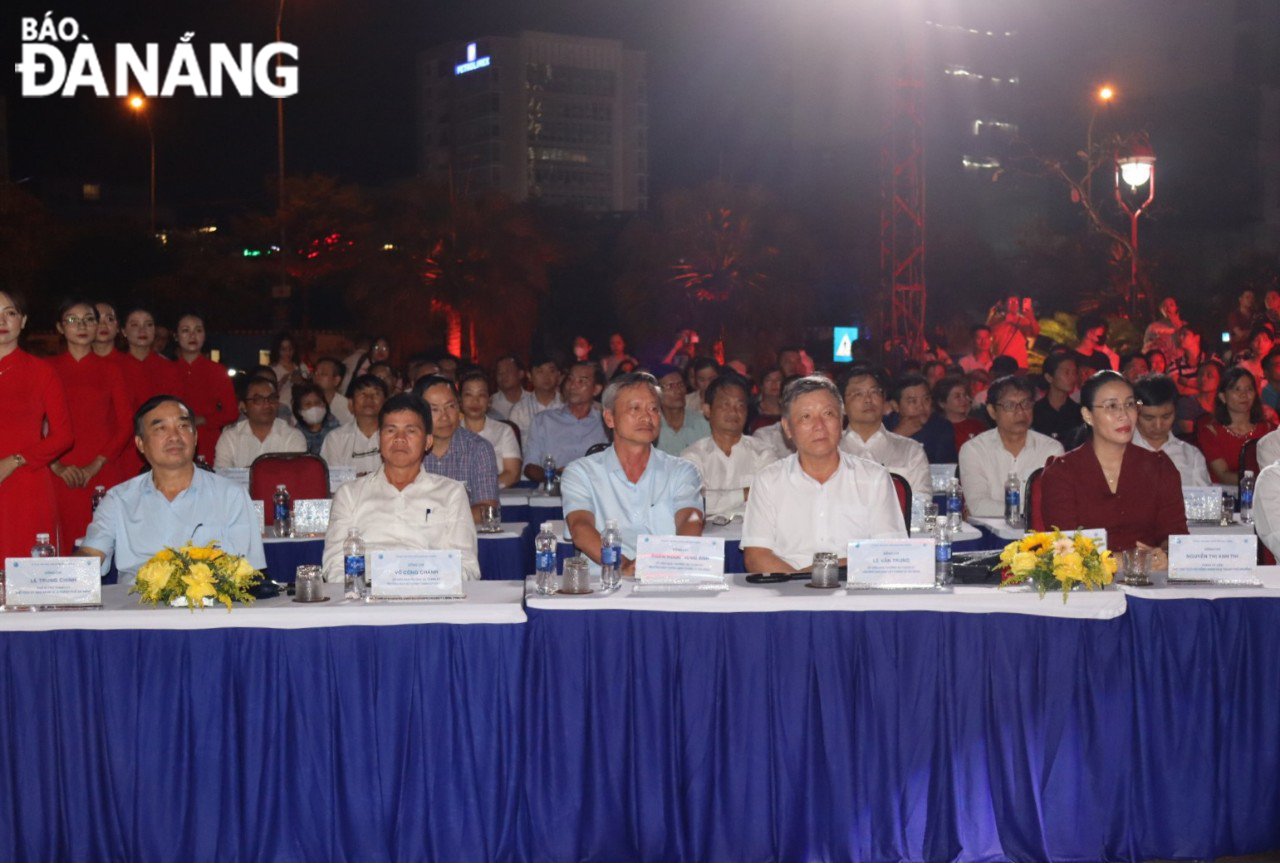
[566,433]
[642,488]
[172,504]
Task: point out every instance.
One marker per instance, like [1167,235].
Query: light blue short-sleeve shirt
[598,484]
[134,521]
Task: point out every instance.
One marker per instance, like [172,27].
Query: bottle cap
[549,526]
[281,487]
[42,537]
[99,488]
[610,524]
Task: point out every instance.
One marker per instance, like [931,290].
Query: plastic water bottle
[942,555]
[544,546]
[43,548]
[99,492]
[955,505]
[1246,497]
[549,478]
[353,579]
[610,556]
[283,511]
[1013,500]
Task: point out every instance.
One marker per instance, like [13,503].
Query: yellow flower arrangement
[194,573]
[1052,560]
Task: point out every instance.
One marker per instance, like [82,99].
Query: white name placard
[1216,558]
[891,564]
[42,582]
[679,560]
[339,475]
[415,574]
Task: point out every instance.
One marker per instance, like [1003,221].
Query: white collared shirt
[1186,458]
[899,454]
[431,513]
[1268,449]
[772,437]
[502,406]
[340,407]
[794,516]
[347,446]
[985,466]
[503,439]
[528,408]
[239,446]
[724,477]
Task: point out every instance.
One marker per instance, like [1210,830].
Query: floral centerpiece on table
[1054,561]
[193,573]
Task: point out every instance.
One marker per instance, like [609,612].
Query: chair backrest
[597,447]
[516,431]
[1034,498]
[305,475]
[1249,456]
[903,489]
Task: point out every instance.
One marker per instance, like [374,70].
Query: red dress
[102,421]
[144,379]
[1146,506]
[1217,441]
[31,394]
[207,390]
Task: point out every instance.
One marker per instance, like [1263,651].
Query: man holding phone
[1012,327]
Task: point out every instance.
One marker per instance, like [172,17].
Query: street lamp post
[1104,96]
[138,105]
[284,247]
[1135,168]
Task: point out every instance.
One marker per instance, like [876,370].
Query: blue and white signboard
[843,339]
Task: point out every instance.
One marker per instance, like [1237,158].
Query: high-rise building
[541,116]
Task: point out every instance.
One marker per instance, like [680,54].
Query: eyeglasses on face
[263,400]
[1015,407]
[873,393]
[1115,407]
[79,321]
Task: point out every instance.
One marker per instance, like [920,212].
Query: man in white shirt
[1157,398]
[864,393]
[773,438]
[509,375]
[357,444]
[820,498]
[986,460]
[981,357]
[260,432]
[546,377]
[727,460]
[401,506]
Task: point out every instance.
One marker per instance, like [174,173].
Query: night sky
[354,114]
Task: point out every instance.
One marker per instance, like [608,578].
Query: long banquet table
[763,723]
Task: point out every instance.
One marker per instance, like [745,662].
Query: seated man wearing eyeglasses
[261,431]
[986,460]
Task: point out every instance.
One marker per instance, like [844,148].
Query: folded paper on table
[340,475]
[1215,558]
[891,564]
[52,582]
[415,574]
[238,475]
[311,516]
[677,561]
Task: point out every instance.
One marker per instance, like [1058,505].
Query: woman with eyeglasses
[1237,418]
[101,418]
[206,386]
[1111,483]
[33,399]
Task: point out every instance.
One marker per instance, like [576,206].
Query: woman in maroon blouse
[1108,482]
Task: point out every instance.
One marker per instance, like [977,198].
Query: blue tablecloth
[614,735]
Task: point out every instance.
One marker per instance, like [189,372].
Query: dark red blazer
[1147,506]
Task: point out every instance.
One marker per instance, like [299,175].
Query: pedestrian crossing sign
[843,339]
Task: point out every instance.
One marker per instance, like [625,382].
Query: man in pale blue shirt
[566,433]
[643,489]
[174,503]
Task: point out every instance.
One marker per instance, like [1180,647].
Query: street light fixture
[138,105]
[1135,168]
[1104,95]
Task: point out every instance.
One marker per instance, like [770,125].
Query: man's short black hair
[338,365]
[1003,366]
[426,382]
[597,373]
[151,404]
[906,382]
[541,359]
[406,402]
[977,328]
[700,363]
[728,379]
[367,380]
[1000,386]
[1153,391]
[1056,359]
[865,370]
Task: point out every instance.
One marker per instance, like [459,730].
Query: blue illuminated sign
[843,339]
[473,62]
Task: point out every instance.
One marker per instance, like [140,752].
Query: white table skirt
[486,602]
[795,596]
